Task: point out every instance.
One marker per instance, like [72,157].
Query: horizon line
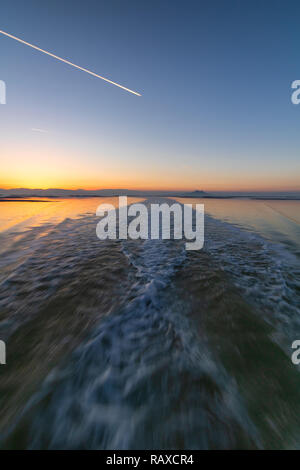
[153,190]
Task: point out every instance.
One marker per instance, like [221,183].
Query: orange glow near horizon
[54,167]
[114,183]
[32,177]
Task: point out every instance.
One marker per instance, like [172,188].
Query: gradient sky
[215,111]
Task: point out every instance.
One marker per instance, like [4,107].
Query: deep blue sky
[215,78]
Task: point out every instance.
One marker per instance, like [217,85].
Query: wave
[176,349]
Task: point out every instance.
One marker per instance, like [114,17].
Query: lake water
[140,344]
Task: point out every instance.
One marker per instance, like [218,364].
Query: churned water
[140,344]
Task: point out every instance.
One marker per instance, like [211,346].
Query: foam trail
[68,62]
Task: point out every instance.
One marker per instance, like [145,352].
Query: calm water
[141,344]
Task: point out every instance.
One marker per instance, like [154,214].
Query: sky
[215,79]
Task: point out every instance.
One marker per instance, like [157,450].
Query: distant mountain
[65,193]
[196,193]
[55,192]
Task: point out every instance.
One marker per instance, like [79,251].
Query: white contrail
[69,63]
[37,129]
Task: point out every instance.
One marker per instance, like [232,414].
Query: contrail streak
[68,62]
